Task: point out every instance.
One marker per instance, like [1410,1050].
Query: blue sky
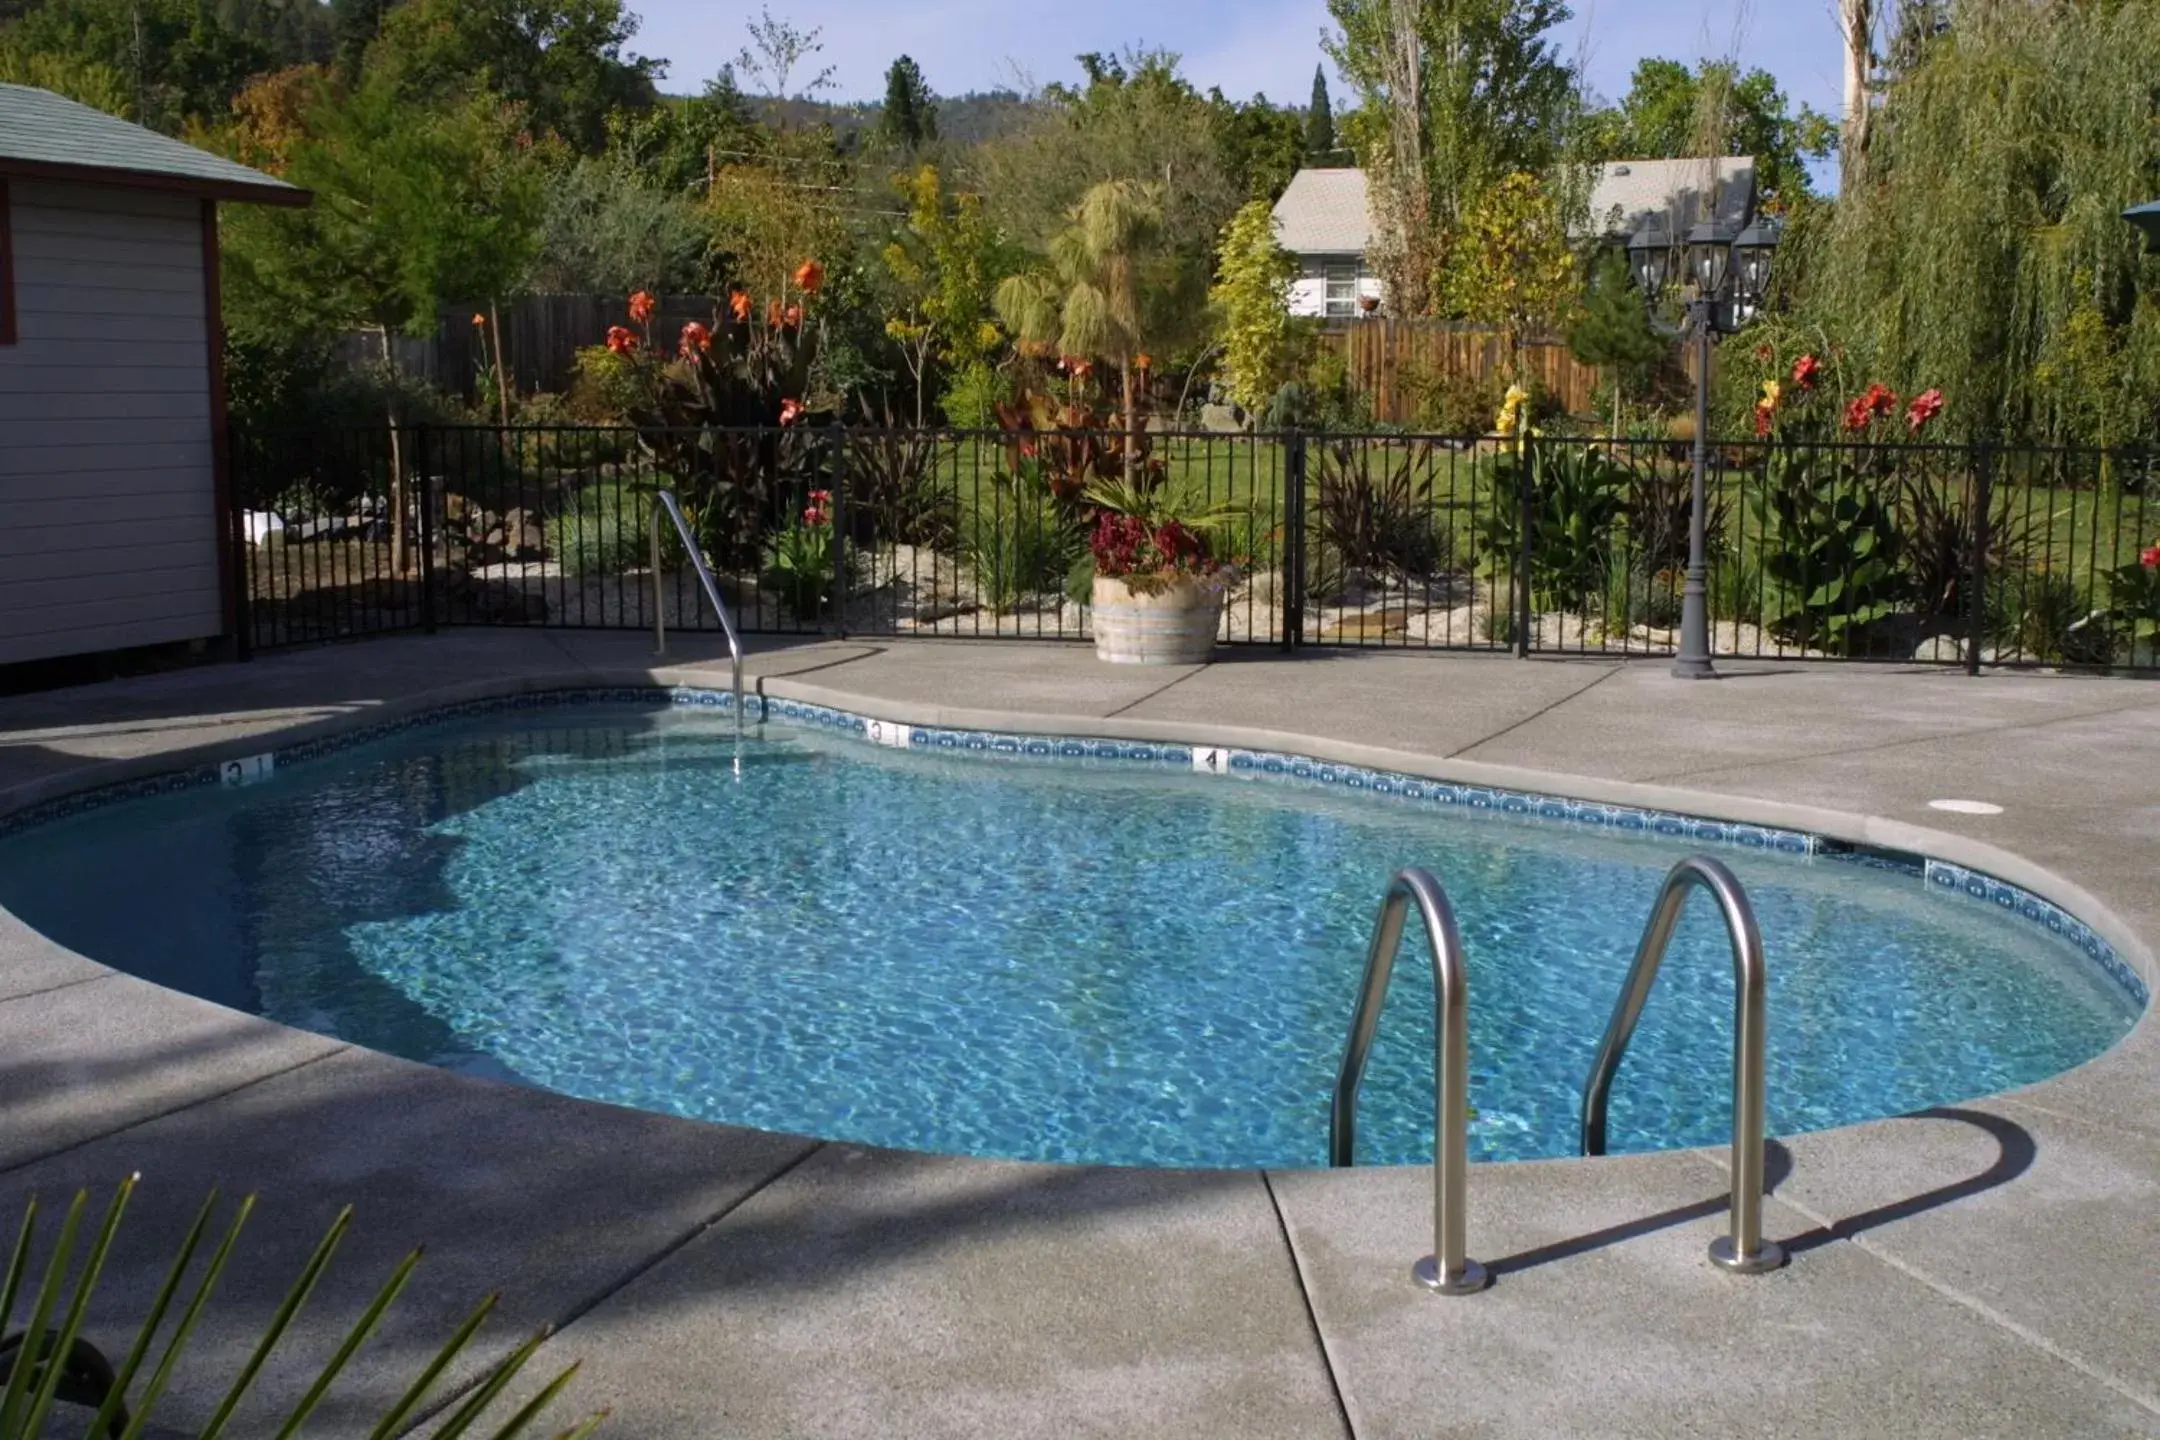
[1241,45]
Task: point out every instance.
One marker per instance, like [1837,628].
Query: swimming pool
[1062,959]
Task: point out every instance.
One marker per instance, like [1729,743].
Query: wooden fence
[1389,359]
[541,335]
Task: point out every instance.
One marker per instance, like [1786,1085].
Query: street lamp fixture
[1729,271]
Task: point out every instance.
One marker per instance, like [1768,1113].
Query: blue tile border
[1257,765]
[2014,900]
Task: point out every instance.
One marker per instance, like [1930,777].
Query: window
[7,270]
[1341,278]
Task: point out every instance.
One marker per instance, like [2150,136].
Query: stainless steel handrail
[1448,1269]
[1742,1250]
[664,501]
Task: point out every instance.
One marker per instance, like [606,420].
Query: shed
[113,528]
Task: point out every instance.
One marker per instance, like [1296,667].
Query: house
[1324,220]
[113,513]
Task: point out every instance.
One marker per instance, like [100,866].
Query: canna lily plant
[52,1361]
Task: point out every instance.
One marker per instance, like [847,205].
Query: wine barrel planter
[1173,626]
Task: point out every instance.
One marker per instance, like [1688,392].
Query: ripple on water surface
[1055,961]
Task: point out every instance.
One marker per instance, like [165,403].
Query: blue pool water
[1055,960]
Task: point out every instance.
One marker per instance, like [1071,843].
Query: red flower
[696,340]
[1925,406]
[809,277]
[621,341]
[1764,354]
[738,305]
[1763,414]
[1804,370]
[792,317]
[642,306]
[2150,558]
[821,497]
[790,411]
[1880,399]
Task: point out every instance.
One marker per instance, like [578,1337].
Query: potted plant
[1159,575]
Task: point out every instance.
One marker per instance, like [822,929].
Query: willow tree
[1984,251]
[1105,291]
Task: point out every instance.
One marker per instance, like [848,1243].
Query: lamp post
[1728,274]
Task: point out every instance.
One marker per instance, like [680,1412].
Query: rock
[1264,588]
[496,602]
[1940,648]
[1221,419]
[1370,626]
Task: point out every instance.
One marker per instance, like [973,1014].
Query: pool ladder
[1449,1270]
[664,503]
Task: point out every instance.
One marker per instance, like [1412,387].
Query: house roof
[1627,192]
[1324,213]
[44,136]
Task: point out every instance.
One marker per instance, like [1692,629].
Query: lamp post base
[1689,668]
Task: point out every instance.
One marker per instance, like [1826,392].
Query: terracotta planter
[1174,626]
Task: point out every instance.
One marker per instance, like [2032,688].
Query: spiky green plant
[43,1365]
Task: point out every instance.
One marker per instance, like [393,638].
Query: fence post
[243,553]
[427,527]
[1983,507]
[1525,472]
[838,480]
[1292,571]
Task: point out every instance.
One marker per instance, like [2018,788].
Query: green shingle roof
[46,134]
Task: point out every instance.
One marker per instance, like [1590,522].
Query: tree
[1856,34]
[413,209]
[1319,122]
[1252,295]
[1456,94]
[1614,333]
[563,61]
[1672,112]
[1983,252]
[1261,145]
[1510,265]
[174,63]
[944,266]
[356,24]
[607,229]
[776,48]
[909,116]
[1092,299]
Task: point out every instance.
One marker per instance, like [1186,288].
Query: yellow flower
[1770,393]
[1505,425]
[1515,396]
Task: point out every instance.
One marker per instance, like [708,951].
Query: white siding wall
[108,516]
[1308,292]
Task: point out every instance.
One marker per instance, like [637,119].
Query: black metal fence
[1953,555]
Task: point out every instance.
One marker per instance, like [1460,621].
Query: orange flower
[790,412]
[642,306]
[792,317]
[738,305]
[696,340]
[772,314]
[1765,415]
[1143,360]
[621,341]
[809,277]
[479,319]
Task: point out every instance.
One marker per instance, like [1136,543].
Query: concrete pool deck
[1988,1269]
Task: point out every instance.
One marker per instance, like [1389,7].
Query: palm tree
[1089,300]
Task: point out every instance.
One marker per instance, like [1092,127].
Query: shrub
[1576,498]
[972,397]
[1832,547]
[1374,508]
[1660,505]
[1019,541]
[894,492]
[1938,535]
[601,530]
[799,561]
[1449,402]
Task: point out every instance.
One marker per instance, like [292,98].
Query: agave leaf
[114,1401]
[64,1342]
[417,1391]
[18,1264]
[13,1402]
[531,1409]
[584,1427]
[498,1379]
[286,1311]
[173,1347]
[354,1339]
